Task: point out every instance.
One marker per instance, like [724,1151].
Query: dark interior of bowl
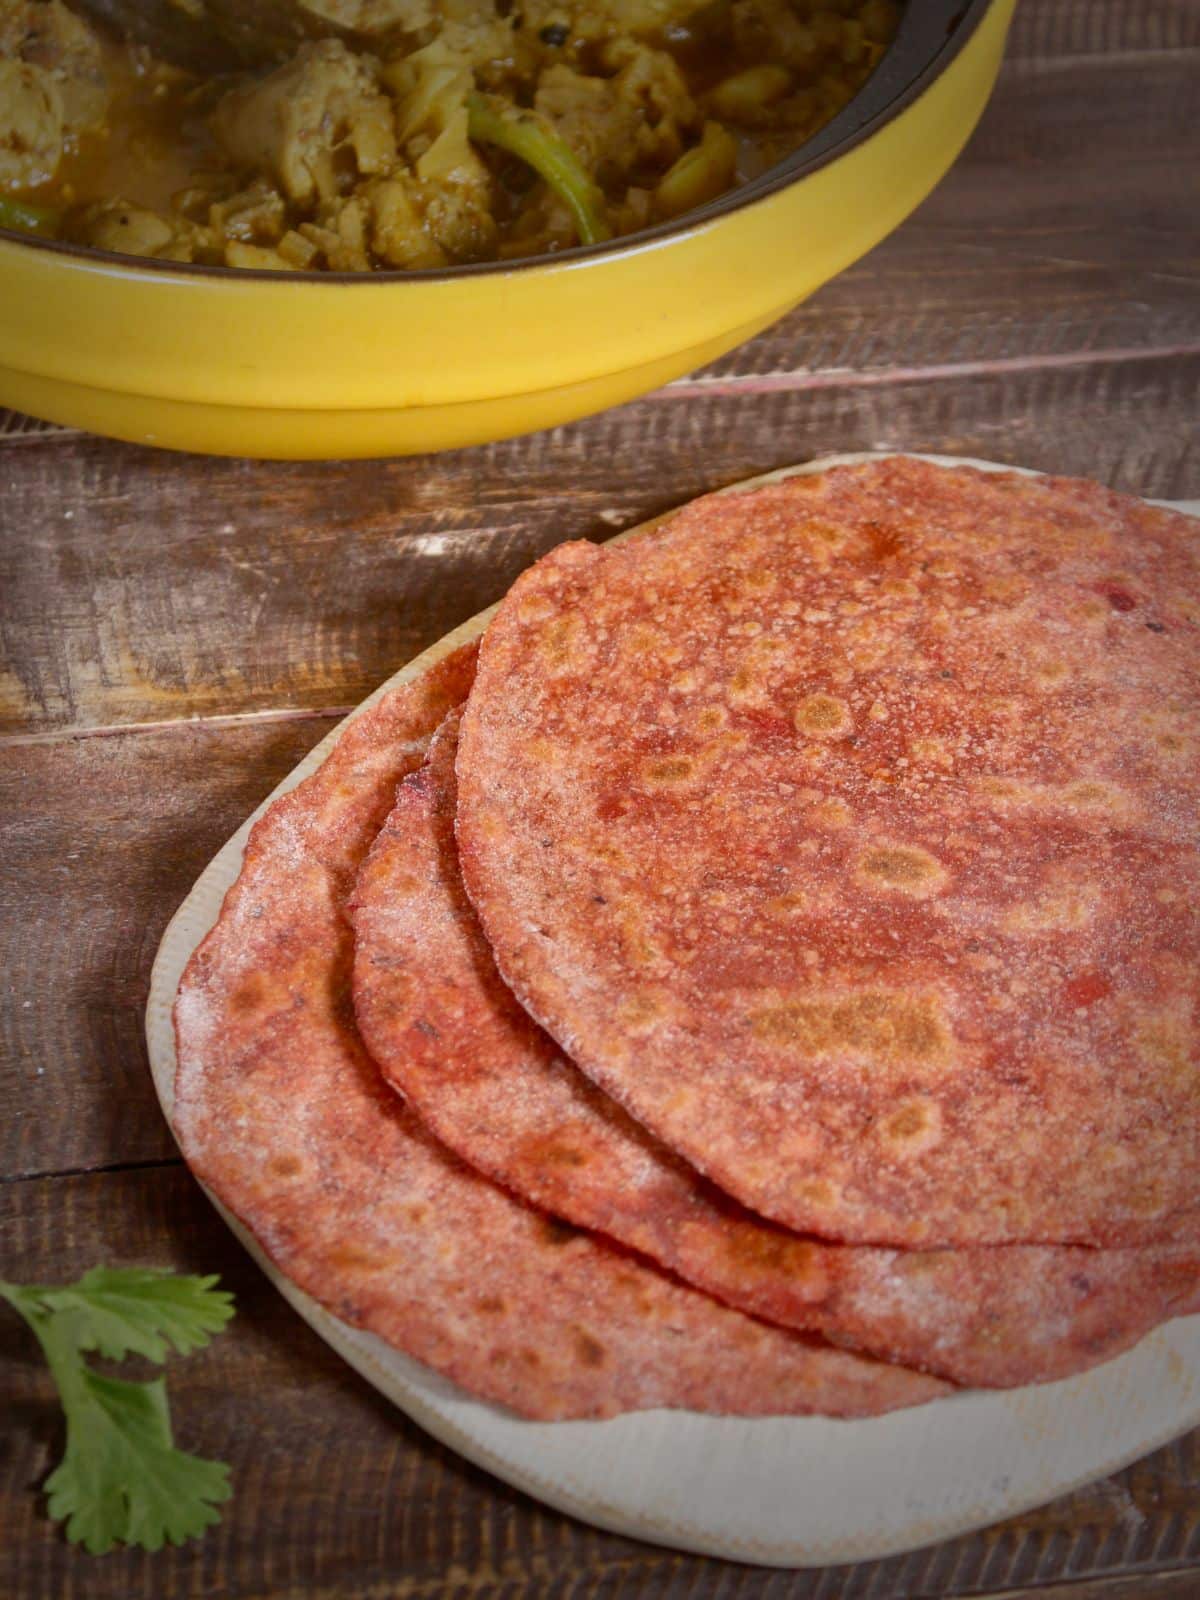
[931,32]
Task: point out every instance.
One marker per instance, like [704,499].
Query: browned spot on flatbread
[785,907]
[823,716]
[405,886]
[1147,1198]
[641,1009]
[669,771]
[350,1258]
[562,645]
[914,1126]
[588,1349]
[818,1194]
[762,1249]
[905,869]
[250,994]
[760,580]
[1166,1045]
[874,1026]
[554,1152]
[1092,796]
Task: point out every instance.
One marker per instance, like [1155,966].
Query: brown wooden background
[176,632]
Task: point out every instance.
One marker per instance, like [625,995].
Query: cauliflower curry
[415,133]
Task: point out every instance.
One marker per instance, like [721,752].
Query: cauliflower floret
[651,82]
[52,87]
[398,221]
[616,126]
[255,258]
[373,16]
[45,35]
[255,215]
[31,126]
[591,116]
[398,235]
[458,219]
[475,34]
[771,30]
[135,231]
[602,19]
[305,120]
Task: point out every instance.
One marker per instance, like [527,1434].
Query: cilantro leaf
[121,1479]
[142,1311]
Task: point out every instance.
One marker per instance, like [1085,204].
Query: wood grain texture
[103,837]
[1047,30]
[337,1495]
[184,587]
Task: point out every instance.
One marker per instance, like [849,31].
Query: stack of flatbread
[760,977]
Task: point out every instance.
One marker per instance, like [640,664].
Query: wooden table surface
[177,632]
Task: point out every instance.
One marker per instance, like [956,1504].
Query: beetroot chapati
[845,831]
[280,1111]
[446,1032]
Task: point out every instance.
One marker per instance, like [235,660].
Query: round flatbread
[280,1111]
[845,832]
[446,1032]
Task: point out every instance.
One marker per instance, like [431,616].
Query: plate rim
[366,1354]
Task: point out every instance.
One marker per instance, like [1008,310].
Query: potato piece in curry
[415,133]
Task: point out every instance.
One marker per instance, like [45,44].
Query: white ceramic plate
[779,1491]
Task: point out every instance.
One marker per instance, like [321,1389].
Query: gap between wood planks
[8,1178]
[799,380]
[880,377]
[229,719]
[1023,66]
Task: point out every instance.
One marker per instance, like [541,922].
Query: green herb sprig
[25,218]
[531,139]
[121,1480]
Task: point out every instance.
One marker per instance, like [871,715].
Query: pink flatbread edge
[282,1114]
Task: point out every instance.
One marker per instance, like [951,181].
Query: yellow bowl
[324,366]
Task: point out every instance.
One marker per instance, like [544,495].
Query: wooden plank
[141,587]
[1050,29]
[103,838]
[338,1495]
[1179,1585]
